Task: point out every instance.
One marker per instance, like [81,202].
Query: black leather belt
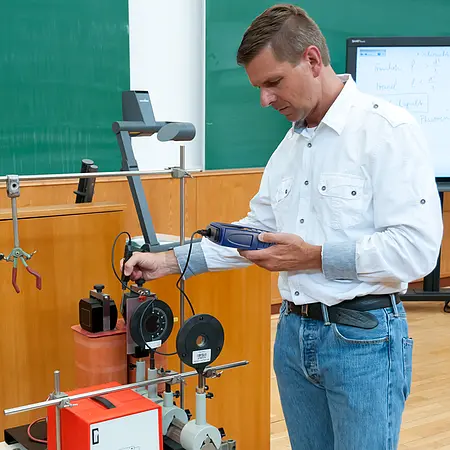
[350,312]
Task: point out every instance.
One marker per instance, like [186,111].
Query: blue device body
[236,236]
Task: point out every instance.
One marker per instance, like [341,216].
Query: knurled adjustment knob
[99,287]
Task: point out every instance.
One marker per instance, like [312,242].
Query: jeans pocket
[408,344]
[355,335]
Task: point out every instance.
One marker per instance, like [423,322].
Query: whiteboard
[418,79]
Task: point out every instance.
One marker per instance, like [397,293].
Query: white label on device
[154,344]
[138,431]
[201,356]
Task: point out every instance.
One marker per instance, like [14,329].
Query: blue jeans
[341,387]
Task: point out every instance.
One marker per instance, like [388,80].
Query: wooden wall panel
[162,193]
[36,334]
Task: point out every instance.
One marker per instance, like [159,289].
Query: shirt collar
[336,116]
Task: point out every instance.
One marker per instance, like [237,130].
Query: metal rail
[175,379]
[62,176]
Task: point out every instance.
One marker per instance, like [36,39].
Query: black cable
[124,285]
[202,233]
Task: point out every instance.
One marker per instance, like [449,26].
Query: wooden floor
[426,421]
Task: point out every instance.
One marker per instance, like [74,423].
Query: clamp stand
[13,190]
[64,403]
[199,343]
[60,400]
[181,174]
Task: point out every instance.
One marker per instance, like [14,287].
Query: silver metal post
[15,222]
[174,379]
[182,241]
[58,409]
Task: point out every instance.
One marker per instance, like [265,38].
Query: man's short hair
[288,30]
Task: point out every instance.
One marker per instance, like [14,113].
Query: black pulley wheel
[151,324]
[200,341]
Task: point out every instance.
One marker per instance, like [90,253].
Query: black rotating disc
[152,321]
[200,341]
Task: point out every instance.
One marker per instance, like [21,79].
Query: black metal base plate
[19,435]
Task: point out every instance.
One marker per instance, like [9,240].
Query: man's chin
[291,116]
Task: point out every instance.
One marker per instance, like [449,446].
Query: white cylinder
[152,390]
[200,409]
[140,371]
[168,399]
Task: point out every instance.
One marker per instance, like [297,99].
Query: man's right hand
[150,266]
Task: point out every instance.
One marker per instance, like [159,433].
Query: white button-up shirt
[362,186]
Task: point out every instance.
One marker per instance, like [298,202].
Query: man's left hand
[291,253]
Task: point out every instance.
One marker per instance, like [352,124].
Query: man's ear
[314,59]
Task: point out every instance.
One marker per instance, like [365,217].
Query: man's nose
[267,98]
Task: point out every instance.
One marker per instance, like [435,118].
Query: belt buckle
[304,310]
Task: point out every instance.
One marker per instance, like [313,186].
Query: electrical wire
[124,285]
[32,438]
[201,232]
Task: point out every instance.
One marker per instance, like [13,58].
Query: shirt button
[309,144]
[306,183]
[422,201]
[297,293]
[324,188]
[302,220]
[375,106]
[353,192]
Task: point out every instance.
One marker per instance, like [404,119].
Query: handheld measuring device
[236,236]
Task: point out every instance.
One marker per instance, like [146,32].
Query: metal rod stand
[57,394]
[182,241]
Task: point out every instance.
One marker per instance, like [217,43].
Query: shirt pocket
[341,200]
[280,202]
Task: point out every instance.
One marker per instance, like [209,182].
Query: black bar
[85,190]
[432,282]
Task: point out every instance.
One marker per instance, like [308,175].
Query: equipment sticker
[201,356]
[154,344]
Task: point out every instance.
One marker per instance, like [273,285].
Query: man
[349,197]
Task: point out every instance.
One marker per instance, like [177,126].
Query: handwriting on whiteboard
[412,102]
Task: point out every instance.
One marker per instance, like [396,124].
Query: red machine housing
[128,422]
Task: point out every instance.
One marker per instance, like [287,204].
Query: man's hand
[291,253]
[150,266]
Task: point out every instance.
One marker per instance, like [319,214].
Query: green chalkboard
[63,66]
[239,133]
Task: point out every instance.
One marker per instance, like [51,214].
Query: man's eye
[274,83]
